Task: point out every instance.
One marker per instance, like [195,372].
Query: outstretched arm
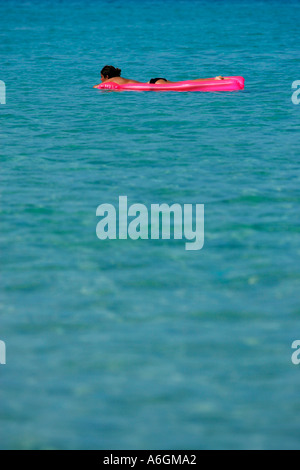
[205,79]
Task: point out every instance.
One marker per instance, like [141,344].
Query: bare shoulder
[118,80]
[121,80]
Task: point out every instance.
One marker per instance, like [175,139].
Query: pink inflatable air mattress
[228,84]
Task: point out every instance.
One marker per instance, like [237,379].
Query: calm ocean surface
[141,344]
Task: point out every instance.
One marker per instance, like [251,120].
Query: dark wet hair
[110,71]
[154,80]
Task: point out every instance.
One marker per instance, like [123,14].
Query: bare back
[121,80]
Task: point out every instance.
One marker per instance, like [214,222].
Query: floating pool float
[211,84]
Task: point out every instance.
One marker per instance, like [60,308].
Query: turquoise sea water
[141,344]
